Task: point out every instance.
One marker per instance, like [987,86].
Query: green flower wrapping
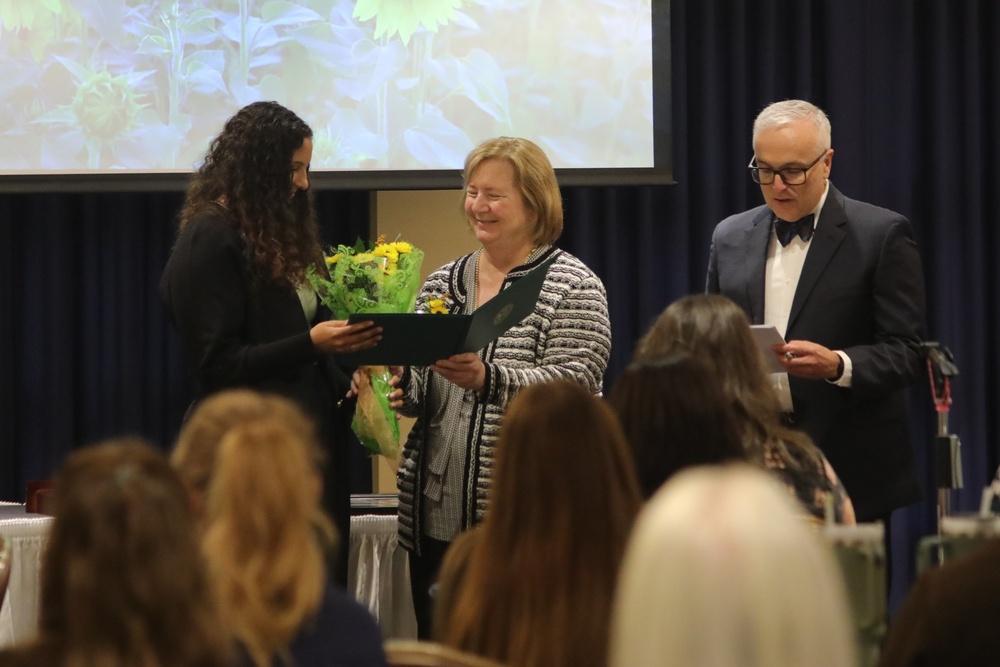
[381,279]
[374,421]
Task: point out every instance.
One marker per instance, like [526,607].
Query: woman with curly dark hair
[235,285]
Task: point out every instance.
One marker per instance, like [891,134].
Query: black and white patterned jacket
[567,336]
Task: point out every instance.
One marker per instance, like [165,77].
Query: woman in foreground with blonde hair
[722,570]
[264,533]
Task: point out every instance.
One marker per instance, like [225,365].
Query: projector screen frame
[412,179]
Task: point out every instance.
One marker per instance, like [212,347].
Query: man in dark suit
[846,290]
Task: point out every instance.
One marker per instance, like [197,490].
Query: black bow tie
[803,228]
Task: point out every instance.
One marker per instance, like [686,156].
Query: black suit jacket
[861,291]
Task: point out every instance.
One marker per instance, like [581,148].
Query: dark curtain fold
[913,92]
[86,352]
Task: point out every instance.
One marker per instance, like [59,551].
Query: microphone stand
[947,447]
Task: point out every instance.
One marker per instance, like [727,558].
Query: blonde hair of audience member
[535,179]
[716,330]
[538,586]
[197,445]
[123,582]
[722,571]
[263,527]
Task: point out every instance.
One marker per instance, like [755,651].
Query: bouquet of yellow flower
[382,279]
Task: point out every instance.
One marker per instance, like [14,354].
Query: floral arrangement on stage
[383,278]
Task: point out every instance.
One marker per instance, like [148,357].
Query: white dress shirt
[781,277]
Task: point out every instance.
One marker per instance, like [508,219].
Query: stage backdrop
[912,89]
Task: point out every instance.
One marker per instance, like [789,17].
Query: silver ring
[789,355]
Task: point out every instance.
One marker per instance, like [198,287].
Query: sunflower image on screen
[383,278]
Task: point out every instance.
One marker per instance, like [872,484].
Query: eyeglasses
[789,175]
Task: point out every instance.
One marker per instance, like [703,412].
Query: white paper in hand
[767,336]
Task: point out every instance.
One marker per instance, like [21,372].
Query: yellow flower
[333,260]
[386,250]
[402,246]
[363,257]
[440,305]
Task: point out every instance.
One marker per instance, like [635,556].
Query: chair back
[410,653]
[959,535]
[6,558]
[860,552]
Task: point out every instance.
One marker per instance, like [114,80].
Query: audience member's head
[256,458]
[714,329]
[721,571]
[197,445]
[674,414]
[123,582]
[538,585]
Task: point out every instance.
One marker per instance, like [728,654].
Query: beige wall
[432,221]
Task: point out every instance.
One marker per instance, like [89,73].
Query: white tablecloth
[28,534]
[378,573]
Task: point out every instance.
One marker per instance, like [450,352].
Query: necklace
[478,254]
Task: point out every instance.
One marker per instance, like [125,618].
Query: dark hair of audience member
[538,586]
[715,330]
[123,582]
[674,415]
[262,519]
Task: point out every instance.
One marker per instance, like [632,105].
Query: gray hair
[786,112]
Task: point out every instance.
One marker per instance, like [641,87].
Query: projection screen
[124,94]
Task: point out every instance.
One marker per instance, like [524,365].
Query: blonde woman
[723,571]
[258,461]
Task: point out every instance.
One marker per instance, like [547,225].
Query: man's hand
[805,359]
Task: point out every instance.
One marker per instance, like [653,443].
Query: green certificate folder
[420,339]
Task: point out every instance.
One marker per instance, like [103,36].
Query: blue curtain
[913,92]
[86,352]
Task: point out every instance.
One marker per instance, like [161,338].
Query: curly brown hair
[247,174]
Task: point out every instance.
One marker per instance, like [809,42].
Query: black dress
[239,331]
